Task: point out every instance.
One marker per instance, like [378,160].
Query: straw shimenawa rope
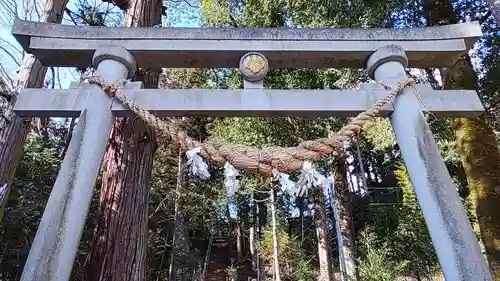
[251,159]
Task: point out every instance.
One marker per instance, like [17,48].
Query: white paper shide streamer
[230,182]
[286,184]
[196,165]
[309,177]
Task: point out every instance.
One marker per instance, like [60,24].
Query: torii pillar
[56,242]
[451,232]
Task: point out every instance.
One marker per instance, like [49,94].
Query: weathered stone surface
[453,31]
[220,48]
[449,227]
[245,102]
[54,247]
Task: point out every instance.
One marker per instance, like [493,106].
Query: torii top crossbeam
[73,46]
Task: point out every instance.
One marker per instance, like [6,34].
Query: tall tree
[346,224]
[241,222]
[120,247]
[276,263]
[181,262]
[13,129]
[180,269]
[476,143]
[324,250]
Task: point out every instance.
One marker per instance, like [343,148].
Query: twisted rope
[251,159]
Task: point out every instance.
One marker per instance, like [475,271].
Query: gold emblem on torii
[254,63]
[254,66]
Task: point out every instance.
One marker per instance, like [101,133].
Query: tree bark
[346,230]
[252,232]
[239,237]
[251,242]
[180,269]
[276,264]
[262,213]
[476,145]
[301,205]
[260,208]
[119,251]
[230,234]
[13,129]
[320,218]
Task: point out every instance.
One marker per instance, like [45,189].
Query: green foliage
[263,13]
[33,183]
[379,133]
[204,200]
[294,265]
[87,14]
[39,160]
[36,173]
[411,232]
[303,271]
[409,196]
[377,265]
[401,242]
[232,271]
[215,13]
[324,13]
[255,131]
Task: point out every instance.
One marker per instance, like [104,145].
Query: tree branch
[69,135]
[493,105]
[233,21]
[53,82]
[35,6]
[5,79]
[70,14]
[11,45]
[158,208]
[431,78]
[10,55]
[185,2]
[58,79]
[10,11]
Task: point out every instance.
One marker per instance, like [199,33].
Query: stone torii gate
[116,52]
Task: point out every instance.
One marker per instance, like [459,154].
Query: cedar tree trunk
[119,251]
